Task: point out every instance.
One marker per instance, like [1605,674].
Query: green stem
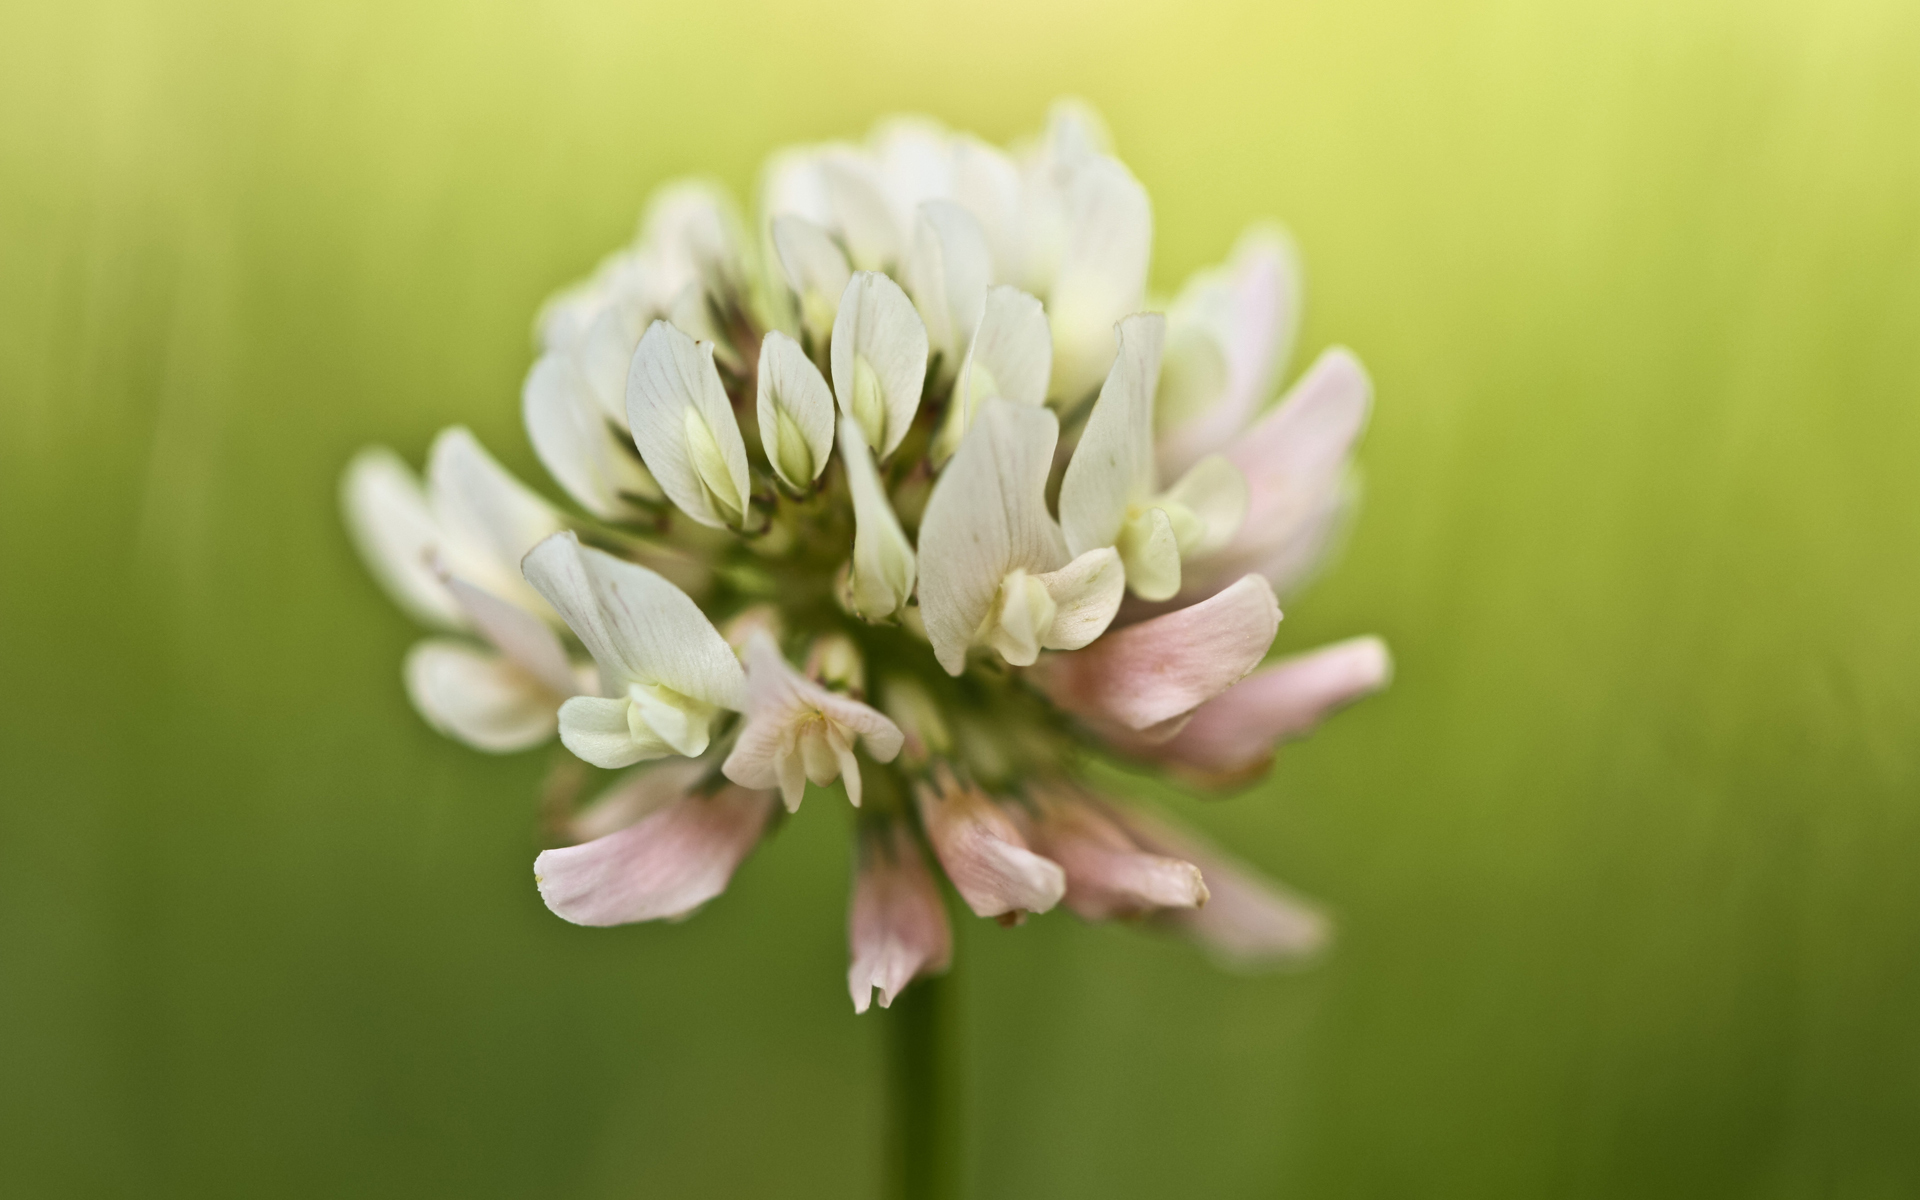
[921,1154]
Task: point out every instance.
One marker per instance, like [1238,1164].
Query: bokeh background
[1625,863]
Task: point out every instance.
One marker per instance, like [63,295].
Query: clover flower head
[908,485]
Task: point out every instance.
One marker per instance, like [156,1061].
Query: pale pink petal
[984,853]
[640,792]
[1108,873]
[1249,920]
[1235,732]
[666,865]
[897,927]
[781,705]
[1156,672]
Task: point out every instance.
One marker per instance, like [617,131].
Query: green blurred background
[1625,863]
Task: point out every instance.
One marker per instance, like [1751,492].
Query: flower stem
[922,1163]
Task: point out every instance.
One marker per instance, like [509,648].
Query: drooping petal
[1148,677]
[490,519]
[1112,467]
[639,793]
[523,638]
[815,268]
[897,927]
[1102,274]
[795,409]
[664,866]
[1108,873]
[685,429]
[986,517]
[1248,921]
[883,559]
[638,627]
[879,359]
[1236,731]
[1295,460]
[576,443]
[479,697]
[797,728]
[948,271]
[386,512]
[1010,356]
[1250,309]
[984,854]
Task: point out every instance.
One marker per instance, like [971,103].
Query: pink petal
[984,854]
[1108,874]
[780,701]
[667,865]
[1234,733]
[898,926]
[1153,673]
[1248,921]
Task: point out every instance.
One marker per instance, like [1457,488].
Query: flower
[917,428]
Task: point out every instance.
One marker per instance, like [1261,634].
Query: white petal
[1103,272]
[597,730]
[691,233]
[987,516]
[1215,492]
[814,267]
[576,443]
[948,271]
[1250,309]
[386,512]
[490,518]
[795,409]
[879,359]
[861,214]
[638,627]
[1010,356]
[479,697]
[1150,551]
[525,639]
[782,705]
[987,184]
[1087,592]
[883,561]
[672,379]
[1112,467]
[916,164]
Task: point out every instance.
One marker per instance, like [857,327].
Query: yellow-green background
[1627,864]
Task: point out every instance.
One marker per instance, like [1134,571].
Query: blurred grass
[1625,863]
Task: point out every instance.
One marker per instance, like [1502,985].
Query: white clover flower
[922,432]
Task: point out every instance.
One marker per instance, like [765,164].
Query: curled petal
[883,559]
[897,927]
[1249,921]
[479,697]
[1235,732]
[387,515]
[879,359]
[987,517]
[1108,873]
[639,628]
[795,409]
[664,866]
[984,854]
[948,272]
[797,730]
[684,426]
[1149,676]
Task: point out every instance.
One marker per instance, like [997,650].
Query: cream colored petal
[691,234]
[987,184]
[673,394]
[948,272]
[815,268]
[1112,467]
[879,359]
[598,730]
[638,627]
[1102,274]
[1214,491]
[578,446]
[795,409]
[1150,552]
[1010,356]
[987,516]
[399,540]
[526,640]
[866,222]
[490,518]
[883,559]
[665,866]
[785,708]
[479,697]
[1086,593]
